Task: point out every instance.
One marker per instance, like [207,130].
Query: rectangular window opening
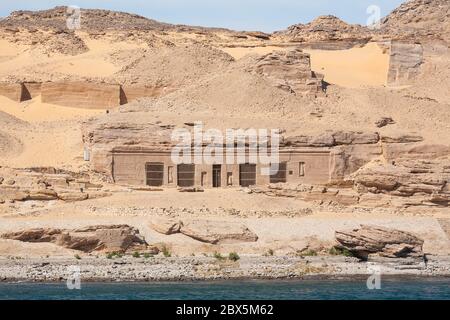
[186,175]
[280,175]
[154,172]
[247,175]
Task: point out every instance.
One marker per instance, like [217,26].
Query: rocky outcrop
[427,178]
[47,184]
[47,40]
[94,238]
[332,139]
[290,70]
[401,138]
[381,241]
[326,32]
[395,151]
[419,20]
[404,63]
[93,20]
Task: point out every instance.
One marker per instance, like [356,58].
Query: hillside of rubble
[422,20]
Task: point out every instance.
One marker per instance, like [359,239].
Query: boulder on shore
[385,242]
[89,239]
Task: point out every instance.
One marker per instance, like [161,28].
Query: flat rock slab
[215,232]
[166,226]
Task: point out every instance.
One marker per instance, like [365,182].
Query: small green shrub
[308,253]
[233,256]
[166,252]
[111,255]
[136,254]
[147,255]
[337,251]
[218,256]
[77,257]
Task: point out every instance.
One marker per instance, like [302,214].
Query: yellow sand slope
[353,68]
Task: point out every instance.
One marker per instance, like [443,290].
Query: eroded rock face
[428,178]
[47,184]
[89,239]
[290,70]
[390,243]
[81,94]
[332,139]
[401,138]
[404,64]
[215,232]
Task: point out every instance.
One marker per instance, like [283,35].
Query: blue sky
[263,15]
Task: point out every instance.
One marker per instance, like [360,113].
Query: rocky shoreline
[127,268]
